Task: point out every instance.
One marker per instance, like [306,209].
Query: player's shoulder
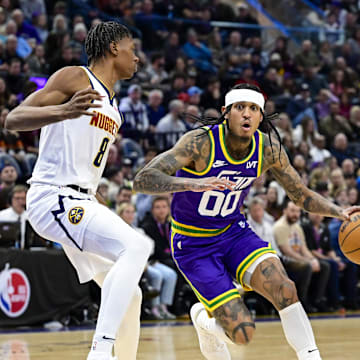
[74,77]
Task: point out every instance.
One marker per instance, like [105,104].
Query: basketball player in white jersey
[79,118]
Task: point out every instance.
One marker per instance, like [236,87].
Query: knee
[141,246]
[242,333]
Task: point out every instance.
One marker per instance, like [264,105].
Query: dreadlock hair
[265,126]
[100,37]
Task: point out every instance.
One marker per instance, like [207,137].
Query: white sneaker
[96,355]
[211,347]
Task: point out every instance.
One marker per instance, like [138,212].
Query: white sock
[212,326]
[102,345]
[119,286]
[127,336]
[298,332]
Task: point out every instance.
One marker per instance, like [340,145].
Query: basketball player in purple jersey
[211,241]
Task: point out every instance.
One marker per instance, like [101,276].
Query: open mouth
[246,127]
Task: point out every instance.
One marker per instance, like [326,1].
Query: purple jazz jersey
[217,209]
[211,241]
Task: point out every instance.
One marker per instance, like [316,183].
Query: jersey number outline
[221,205]
[99,156]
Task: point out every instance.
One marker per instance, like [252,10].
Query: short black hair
[100,37]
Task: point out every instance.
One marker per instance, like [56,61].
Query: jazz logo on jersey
[76,214]
[14,291]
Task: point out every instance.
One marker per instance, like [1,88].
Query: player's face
[126,59]
[244,118]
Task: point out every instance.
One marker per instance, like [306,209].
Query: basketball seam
[354,228]
[351,251]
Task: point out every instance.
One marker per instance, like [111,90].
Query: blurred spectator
[123,196]
[156,70]
[272,206]
[348,170]
[199,52]
[172,51]
[191,117]
[40,23]
[134,111]
[31,7]
[290,238]
[103,190]
[171,126]
[305,131]
[221,11]
[8,177]
[300,105]
[307,58]
[354,119]
[270,84]
[155,109]
[211,97]
[234,47]
[16,211]
[324,99]
[334,124]
[317,237]
[245,17]
[318,152]
[24,29]
[66,59]
[37,63]
[116,180]
[194,93]
[78,42]
[15,80]
[340,149]
[337,182]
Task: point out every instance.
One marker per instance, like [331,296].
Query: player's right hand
[211,183]
[81,103]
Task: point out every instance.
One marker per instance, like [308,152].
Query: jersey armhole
[211,158]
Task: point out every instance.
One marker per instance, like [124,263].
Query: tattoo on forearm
[235,319]
[156,177]
[289,178]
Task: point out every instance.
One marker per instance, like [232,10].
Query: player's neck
[238,146]
[104,74]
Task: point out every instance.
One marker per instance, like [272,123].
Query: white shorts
[93,237]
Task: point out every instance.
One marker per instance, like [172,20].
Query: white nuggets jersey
[74,151]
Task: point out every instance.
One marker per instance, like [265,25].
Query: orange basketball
[349,238]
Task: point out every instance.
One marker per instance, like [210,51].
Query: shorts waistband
[194,231]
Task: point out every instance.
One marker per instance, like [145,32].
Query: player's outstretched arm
[156,177]
[66,95]
[301,195]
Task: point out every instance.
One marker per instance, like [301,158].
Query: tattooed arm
[191,150]
[290,180]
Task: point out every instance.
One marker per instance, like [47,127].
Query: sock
[212,326]
[127,336]
[298,332]
[101,344]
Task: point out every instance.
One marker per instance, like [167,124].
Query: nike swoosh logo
[107,338]
[310,351]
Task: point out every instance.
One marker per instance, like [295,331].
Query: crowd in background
[185,68]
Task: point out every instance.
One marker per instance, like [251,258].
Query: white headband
[246,95]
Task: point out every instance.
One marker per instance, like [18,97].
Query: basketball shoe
[211,347]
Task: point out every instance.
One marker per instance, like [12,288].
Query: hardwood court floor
[338,339]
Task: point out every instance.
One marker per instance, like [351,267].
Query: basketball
[349,238]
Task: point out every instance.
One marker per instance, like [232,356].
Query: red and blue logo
[14,292]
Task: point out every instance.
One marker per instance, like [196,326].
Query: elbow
[9,123]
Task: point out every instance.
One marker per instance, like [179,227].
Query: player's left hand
[348,211]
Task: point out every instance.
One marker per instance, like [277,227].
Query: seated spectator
[300,106]
[15,80]
[305,131]
[124,195]
[348,170]
[348,284]
[334,124]
[15,46]
[354,119]
[36,61]
[290,239]
[211,97]
[199,52]
[317,238]
[24,29]
[194,94]
[273,207]
[234,46]
[191,117]
[8,177]
[307,57]
[16,211]
[103,190]
[270,84]
[337,182]
[318,153]
[156,70]
[340,149]
[171,126]
[66,58]
[324,99]
[116,180]
[353,196]
[135,114]
[155,109]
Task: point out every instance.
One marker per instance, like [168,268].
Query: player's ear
[113,48]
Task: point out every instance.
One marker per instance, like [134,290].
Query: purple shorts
[212,263]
